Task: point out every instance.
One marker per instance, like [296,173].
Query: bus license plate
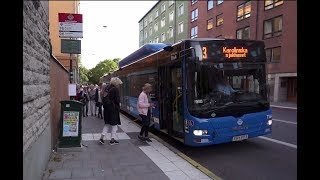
[240,138]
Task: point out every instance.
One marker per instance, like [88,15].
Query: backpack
[106,99]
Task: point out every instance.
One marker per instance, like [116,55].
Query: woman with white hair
[111,105]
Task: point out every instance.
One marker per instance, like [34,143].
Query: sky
[121,36]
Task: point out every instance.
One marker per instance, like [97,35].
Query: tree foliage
[83,74]
[101,69]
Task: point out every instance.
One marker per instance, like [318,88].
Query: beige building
[55,8]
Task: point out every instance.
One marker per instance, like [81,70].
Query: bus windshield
[218,85]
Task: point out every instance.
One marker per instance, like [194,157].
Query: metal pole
[71,73]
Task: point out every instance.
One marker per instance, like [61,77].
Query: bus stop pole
[71,73]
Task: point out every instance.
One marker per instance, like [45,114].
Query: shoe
[141,138]
[148,139]
[101,141]
[113,142]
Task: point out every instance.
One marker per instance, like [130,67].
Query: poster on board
[72,90]
[70,123]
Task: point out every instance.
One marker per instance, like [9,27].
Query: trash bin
[70,124]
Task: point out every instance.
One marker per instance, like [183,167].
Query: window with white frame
[171,2]
[269,4]
[170,32]
[145,22]
[273,54]
[163,37]
[219,2]
[156,39]
[180,27]
[244,11]
[150,31]
[193,2]
[243,33]
[194,15]
[181,9]
[210,4]
[150,19]
[171,16]
[210,24]
[163,22]
[146,35]
[156,27]
[194,32]
[219,20]
[157,14]
[163,7]
[273,27]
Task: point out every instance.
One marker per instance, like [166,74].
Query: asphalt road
[273,157]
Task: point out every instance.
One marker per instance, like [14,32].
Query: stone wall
[36,89]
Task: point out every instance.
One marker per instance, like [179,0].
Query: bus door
[171,102]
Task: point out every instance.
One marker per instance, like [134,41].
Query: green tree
[101,69]
[83,72]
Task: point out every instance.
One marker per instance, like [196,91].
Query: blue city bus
[207,91]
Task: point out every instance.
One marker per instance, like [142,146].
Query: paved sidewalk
[131,159]
[286,105]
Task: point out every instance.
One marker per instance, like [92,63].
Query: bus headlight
[200,132]
[269,122]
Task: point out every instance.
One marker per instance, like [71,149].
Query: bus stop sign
[70,46]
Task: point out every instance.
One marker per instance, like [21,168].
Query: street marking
[284,107]
[279,142]
[289,122]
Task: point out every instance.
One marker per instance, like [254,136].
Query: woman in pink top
[144,106]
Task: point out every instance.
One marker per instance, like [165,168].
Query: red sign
[70,25]
[68,17]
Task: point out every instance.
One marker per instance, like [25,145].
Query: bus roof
[142,52]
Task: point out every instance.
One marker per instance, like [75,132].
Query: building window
[243,33]
[244,11]
[269,4]
[180,11]
[157,14]
[273,27]
[194,15]
[163,7]
[150,41]
[171,2]
[219,20]
[141,26]
[163,22]
[163,37]
[194,32]
[170,32]
[156,27]
[156,40]
[273,54]
[210,4]
[171,16]
[210,24]
[219,2]
[180,27]
[145,35]
[145,22]
[150,31]
[150,19]
[193,2]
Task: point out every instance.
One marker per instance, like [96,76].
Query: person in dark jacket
[111,105]
[98,100]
